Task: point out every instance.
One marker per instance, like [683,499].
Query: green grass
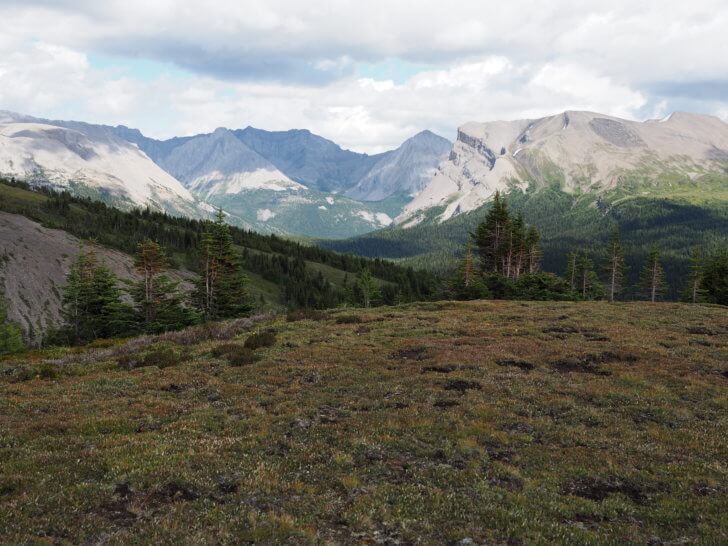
[535,423]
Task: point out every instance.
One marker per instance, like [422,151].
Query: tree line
[506,264]
[283,262]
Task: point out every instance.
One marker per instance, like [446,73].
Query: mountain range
[297,183]
[576,176]
[288,182]
[582,152]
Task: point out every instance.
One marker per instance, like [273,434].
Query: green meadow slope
[481,422]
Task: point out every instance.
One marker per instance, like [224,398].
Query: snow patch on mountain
[216,182]
[63,157]
[264,214]
[379,218]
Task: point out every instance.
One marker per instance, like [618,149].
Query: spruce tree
[572,269]
[221,291]
[368,287]
[467,283]
[653,276]
[614,266]
[491,235]
[695,291]
[160,304]
[91,303]
[588,282]
[715,278]
[533,250]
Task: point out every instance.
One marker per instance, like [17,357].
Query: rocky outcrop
[582,151]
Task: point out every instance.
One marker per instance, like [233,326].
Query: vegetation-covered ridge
[674,213]
[490,422]
[293,274]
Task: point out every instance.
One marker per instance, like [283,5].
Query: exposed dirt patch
[443,404]
[173,492]
[591,363]
[510,483]
[598,489]
[561,330]
[520,364]
[419,352]
[702,330]
[461,385]
[439,369]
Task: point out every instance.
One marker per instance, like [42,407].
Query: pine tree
[514,258]
[533,250]
[221,290]
[108,315]
[715,278]
[368,287]
[91,304]
[467,283]
[614,266]
[572,269]
[491,234]
[587,279]
[695,291]
[77,296]
[653,276]
[160,304]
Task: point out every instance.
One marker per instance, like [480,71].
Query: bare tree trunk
[613,280]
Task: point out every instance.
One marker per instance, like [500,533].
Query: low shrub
[48,371]
[267,338]
[226,348]
[242,357]
[348,319]
[20,373]
[162,356]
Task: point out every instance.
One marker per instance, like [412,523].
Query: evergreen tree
[572,269]
[160,304]
[533,250]
[108,315]
[514,255]
[221,290]
[695,292]
[368,287]
[467,283]
[653,276]
[614,266]
[588,282]
[11,337]
[715,278]
[491,236]
[91,304]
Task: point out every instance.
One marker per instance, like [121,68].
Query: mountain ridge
[580,150]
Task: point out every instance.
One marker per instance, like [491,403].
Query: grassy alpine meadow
[432,423]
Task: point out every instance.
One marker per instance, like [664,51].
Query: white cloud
[279,64]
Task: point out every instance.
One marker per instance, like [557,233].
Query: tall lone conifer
[653,276]
[614,266]
[221,290]
[695,290]
[158,299]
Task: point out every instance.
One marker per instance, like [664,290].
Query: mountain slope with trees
[282,273]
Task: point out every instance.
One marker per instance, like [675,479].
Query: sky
[367,75]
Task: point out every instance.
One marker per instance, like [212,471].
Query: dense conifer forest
[275,259]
